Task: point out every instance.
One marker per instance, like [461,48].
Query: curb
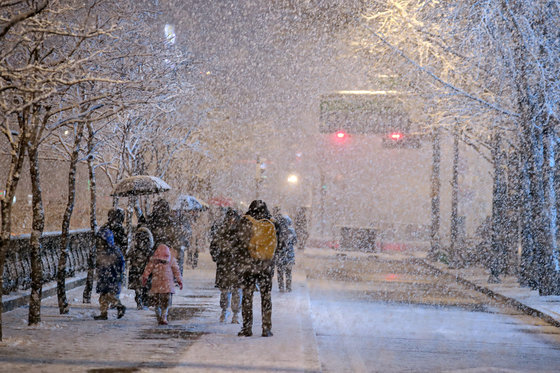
[48,291]
[492,294]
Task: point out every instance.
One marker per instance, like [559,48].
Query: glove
[144,281]
[180,285]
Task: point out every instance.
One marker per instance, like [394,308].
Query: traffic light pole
[257,177]
[322,194]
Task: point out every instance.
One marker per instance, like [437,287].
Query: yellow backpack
[263,239]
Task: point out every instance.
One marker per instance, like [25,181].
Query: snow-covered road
[399,317]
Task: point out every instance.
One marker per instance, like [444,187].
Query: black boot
[267,333]
[245,333]
[121,309]
[102,316]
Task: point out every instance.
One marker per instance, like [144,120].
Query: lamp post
[293,179]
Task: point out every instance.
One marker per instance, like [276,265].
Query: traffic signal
[340,137]
[399,140]
[396,136]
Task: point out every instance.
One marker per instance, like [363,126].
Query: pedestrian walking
[301,226]
[142,249]
[183,234]
[164,229]
[285,253]
[191,251]
[224,253]
[115,222]
[110,273]
[164,270]
[257,242]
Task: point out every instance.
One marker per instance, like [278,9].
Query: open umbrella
[221,201]
[189,203]
[140,185]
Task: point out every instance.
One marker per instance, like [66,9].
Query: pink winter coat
[163,268]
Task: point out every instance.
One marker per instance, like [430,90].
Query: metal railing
[17,268]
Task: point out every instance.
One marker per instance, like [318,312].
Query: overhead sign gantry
[380,112]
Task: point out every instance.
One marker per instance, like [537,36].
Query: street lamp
[293,179]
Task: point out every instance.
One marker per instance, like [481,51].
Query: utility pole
[322,195]
[259,176]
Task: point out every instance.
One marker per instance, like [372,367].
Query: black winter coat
[139,256]
[110,263]
[285,253]
[224,250]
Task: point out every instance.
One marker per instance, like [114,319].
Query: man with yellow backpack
[258,239]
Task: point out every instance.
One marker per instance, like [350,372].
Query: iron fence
[17,268]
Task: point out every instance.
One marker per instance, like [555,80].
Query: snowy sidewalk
[292,348]
[508,290]
[193,341]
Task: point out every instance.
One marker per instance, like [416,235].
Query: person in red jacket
[164,269]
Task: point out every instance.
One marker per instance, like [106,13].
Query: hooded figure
[143,245]
[285,254]
[164,270]
[300,226]
[164,229]
[255,271]
[110,273]
[115,220]
[223,249]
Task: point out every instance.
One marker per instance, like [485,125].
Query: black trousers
[249,282]
[141,297]
[280,271]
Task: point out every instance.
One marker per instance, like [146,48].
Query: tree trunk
[14,173]
[435,193]
[528,265]
[513,230]
[556,177]
[536,214]
[540,218]
[552,267]
[92,215]
[454,249]
[38,226]
[499,198]
[63,258]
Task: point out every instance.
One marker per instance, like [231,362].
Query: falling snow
[406,152]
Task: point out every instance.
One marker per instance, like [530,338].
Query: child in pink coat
[163,268]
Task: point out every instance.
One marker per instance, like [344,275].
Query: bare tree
[42,61]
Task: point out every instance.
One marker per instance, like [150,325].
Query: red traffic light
[396,140]
[339,137]
[396,136]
